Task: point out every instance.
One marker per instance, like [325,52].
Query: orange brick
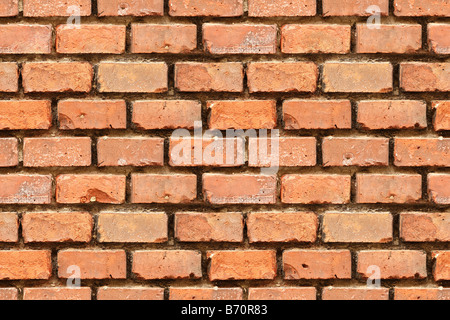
[438,190]
[92,114]
[209,227]
[315,188]
[90,188]
[239,189]
[132,227]
[205,294]
[282,293]
[283,8]
[317,264]
[210,8]
[354,7]
[132,151]
[9,294]
[424,76]
[9,226]
[438,39]
[149,77]
[416,8]
[284,76]
[416,293]
[25,189]
[130,8]
[167,264]
[315,38]
[198,76]
[163,38]
[157,188]
[9,156]
[242,114]
[441,119]
[9,8]
[388,188]
[56,8]
[92,38]
[57,152]
[240,38]
[242,265]
[25,264]
[56,294]
[57,227]
[357,227]
[355,293]
[132,293]
[418,152]
[9,77]
[25,39]
[317,114]
[393,264]
[282,226]
[57,76]
[425,227]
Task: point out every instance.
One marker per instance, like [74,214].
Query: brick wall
[91,179]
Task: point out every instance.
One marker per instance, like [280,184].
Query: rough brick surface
[205,294]
[425,227]
[9,227]
[281,8]
[354,7]
[442,115]
[422,76]
[25,264]
[355,293]
[57,294]
[9,77]
[16,39]
[130,7]
[133,293]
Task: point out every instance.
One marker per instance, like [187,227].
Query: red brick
[441,119]
[92,114]
[425,227]
[240,38]
[242,114]
[25,39]
[315,188]
[25,189]
[56,8]
[158,188]
[315,38]
[210,8]
[242,265]
[9,226]
[282,293]
[92,38]
[9,8]
[441,269]
[359,151]
[395,38]
[25,264]
[132,227]
[57,227]
[9,156]
[419,152]
[388,188]
[422,293]
[57,152]
[198,76]
[205,294]
[9,294]
[392,114]
[292,152]
[239,189]
[416,8]
[137,77]
[90,188]
[355,293]
[317,264]
[12,114]
[163,38]
[93,264]
[438,190]
[57,76]
[209,227]
[56,293]
[424,76]
[166,114]
[284,76]
[393,264]
[317,114]
[130,8]
[215,152]
[281,8]
[167,264]
[132,293]
[357,227]
[9,77]
[354,7]
[376,77]
[132,151]
[282,226]
[438,39]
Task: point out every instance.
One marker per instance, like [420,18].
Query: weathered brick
[210,8]
[25,264]
[388,188]
[416,8]
[422,293]
[57,227]
[315,188]
[56,293]
[130,8]
[9,157]
[240,38]
[418,152]
[9,227]
[25,189]
[25,39]
[282,293]
[283,8]
[355,293]
[9,294]
[424,76]
[425,227]
[132,227]
[242,265]
[282,226]
[205,293]
[357,227]
[130,293]
[317,264]
[441,119]
[438,190]
[9,8]
[354,7]
[438,39]
[167,264]
[12,114]
[9,77]
[239,188]
[56,8]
